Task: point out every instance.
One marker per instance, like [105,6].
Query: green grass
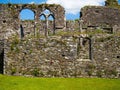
[23,83]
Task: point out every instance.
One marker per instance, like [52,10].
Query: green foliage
[13,71]
[12,47]
[52,73]
[33,6]
[17,50]
[90,66]
[16,40]
[109,72]
[22,83]
[38,35]
[111,2]
[61,42]
[68,33]
[90,69]
[103,39]
[89,72]
[32,21]
[14,44]
[30,51]
[99,73]
[35,72]
[41,74]
[77,20]
[96,31]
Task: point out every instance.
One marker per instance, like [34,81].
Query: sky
[72,7]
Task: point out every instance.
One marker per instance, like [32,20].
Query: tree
[111,3]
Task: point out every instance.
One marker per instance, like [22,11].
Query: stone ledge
[83,60]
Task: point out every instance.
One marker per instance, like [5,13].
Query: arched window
[42,17]
[42,23]
[84,46]
[27,14]
[51,24]
[46,12]
[27,25]
[49,19]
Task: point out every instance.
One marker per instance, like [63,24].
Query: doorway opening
[2,62]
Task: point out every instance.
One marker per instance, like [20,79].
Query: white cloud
[74,6]
[32,2]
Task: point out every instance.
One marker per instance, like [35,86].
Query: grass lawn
[23,83]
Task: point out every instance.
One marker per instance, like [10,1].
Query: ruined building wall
[10,15]
[4,20]
[100,16]
[64,56]
[29,27]
[72,25]
[92,53]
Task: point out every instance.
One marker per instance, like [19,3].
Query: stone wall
[100,16]
[9,15]
[29,27]
[69,52]
[72,25]
[63,56]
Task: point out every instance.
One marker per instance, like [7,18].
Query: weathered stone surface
[10,14]
[100,16]
[62,56]
[78,50]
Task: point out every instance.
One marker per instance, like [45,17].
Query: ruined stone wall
[100,16]
[4,20]
[68,53]
[11,20]
[63,56]
[72,25]
[29,27]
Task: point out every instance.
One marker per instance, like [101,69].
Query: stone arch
[90,47]
[47,14]
[27,24]
[42,18]
[84,48]
[46,11]
[31,7]
[51,22]
[27,10]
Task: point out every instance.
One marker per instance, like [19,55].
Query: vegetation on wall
[111,2]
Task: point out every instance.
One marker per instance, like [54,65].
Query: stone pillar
[116,29]
[81,24]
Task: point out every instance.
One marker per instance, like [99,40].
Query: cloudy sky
[72,7]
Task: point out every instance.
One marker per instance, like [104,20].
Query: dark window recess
[80,14]
[97,11]
[21,31]
[4,21]
[1,62]
[118,56]
[63,55]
